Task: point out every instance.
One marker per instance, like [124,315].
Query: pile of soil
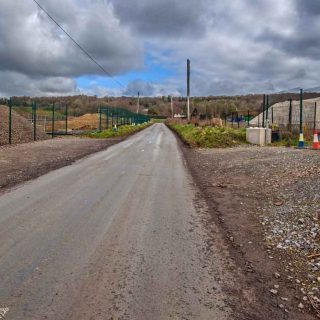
[89,121]
[22,129]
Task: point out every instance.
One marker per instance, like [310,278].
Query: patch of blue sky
[152,72]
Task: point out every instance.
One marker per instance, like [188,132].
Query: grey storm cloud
[32,46]
[153,89]
[300,36]
[308,7]
[168,18]
[141,86]
[22,85]
[235,47]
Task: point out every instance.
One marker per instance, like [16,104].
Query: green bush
[209,137]
[122,131]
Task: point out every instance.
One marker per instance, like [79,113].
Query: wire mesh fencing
[21,123]
[290,118]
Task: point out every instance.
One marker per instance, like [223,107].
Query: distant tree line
[215,106]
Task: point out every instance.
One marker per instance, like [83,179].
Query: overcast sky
[235,46]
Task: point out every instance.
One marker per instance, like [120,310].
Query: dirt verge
[27,161]
[242,187]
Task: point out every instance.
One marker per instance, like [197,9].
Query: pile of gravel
[291,216]
[22,129]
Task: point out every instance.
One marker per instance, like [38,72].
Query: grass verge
[209,137]
[122,131]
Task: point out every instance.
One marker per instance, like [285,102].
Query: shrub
[209,137]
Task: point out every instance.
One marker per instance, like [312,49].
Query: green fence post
[301,110]
[10,121]
[107,117]
[99,129]
[52,120]
[32,112]
[248,118]
[34,107]
[315,118]
[263,109]
[67,119]
[301,138]
[267,110]
[290,114]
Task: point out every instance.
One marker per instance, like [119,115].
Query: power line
[80,47]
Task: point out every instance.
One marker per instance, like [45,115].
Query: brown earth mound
[22,129]
[89,121]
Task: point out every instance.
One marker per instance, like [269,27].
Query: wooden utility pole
[172,107]
[188,88]
[138,105]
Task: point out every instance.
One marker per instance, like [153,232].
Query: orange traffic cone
[315,144]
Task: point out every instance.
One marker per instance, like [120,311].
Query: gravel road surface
[116,235]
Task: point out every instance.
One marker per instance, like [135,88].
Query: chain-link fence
[232,120]
[31,122]
[287,120]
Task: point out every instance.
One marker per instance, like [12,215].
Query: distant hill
[315,89]
[297,90]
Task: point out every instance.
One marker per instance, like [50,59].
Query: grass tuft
[209,137]
[122,131]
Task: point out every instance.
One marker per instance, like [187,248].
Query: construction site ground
[26,161]
[266,203]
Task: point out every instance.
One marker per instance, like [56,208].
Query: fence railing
[290,118]
[232,120]
[31,122]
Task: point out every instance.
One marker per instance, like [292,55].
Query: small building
[179,116]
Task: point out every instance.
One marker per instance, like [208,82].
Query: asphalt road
[114,236]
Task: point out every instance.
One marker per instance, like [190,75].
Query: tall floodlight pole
[188,88]
[138,105]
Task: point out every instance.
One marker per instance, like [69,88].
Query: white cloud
[235,46]
[33,46]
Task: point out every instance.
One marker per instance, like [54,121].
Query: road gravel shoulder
[23,162]
[235,198]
